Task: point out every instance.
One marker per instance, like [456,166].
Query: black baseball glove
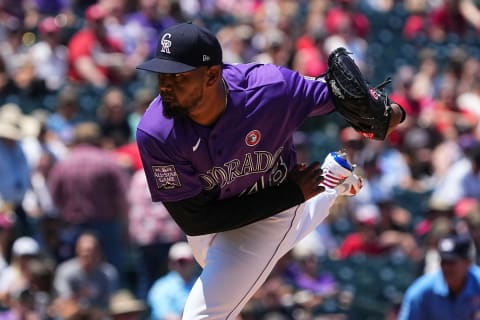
[367,109]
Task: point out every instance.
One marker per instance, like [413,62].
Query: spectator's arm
[87,69]
[470,12]
[61,283]
[112,275]
[161,304]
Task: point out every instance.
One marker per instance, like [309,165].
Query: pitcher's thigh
[237,264]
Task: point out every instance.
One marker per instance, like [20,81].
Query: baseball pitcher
[216,145]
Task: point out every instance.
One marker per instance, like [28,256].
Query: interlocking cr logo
[166,43]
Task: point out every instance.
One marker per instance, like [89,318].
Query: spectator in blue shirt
[67,115]
[167,296]
[451,293]
[14,168]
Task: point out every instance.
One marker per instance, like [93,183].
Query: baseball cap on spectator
[48,25]
[25,246]
[30,126]
[469,102]
[368,214]
[184,47]
[180,250]
[303,250]
[438,229]
[439,206]
[454,247]
[10,117]
[11,112]
[124,302]
[95,12]
[10,131]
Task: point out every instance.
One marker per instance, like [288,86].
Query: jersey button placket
[219,151]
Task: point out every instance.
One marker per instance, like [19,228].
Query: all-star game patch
[166,177]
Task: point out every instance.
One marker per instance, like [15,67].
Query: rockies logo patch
[253,138]
[166,177]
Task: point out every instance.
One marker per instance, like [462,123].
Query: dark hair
[67,96]
[474,154]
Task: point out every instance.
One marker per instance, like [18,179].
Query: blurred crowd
[79,236]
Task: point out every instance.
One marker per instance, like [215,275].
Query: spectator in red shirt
[347,8]
[447,18]
[366,240]
[95,58]
[309,59]
[402,91]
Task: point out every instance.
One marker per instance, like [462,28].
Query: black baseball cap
[456,247]
[184,47]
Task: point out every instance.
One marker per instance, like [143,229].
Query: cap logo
[447,245]
[205,58]
[166,43]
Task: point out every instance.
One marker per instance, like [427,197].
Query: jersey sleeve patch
[166,177]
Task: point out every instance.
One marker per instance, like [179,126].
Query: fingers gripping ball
[351,186]
[367,109]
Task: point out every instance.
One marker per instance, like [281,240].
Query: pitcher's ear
[214,73]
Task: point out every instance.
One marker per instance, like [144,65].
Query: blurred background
[79,236]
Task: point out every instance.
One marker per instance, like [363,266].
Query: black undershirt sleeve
[204,214]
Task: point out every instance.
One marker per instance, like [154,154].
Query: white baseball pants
[237,262]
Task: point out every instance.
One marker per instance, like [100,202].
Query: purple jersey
[250,146]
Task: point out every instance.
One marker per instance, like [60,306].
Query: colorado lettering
[259,161]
